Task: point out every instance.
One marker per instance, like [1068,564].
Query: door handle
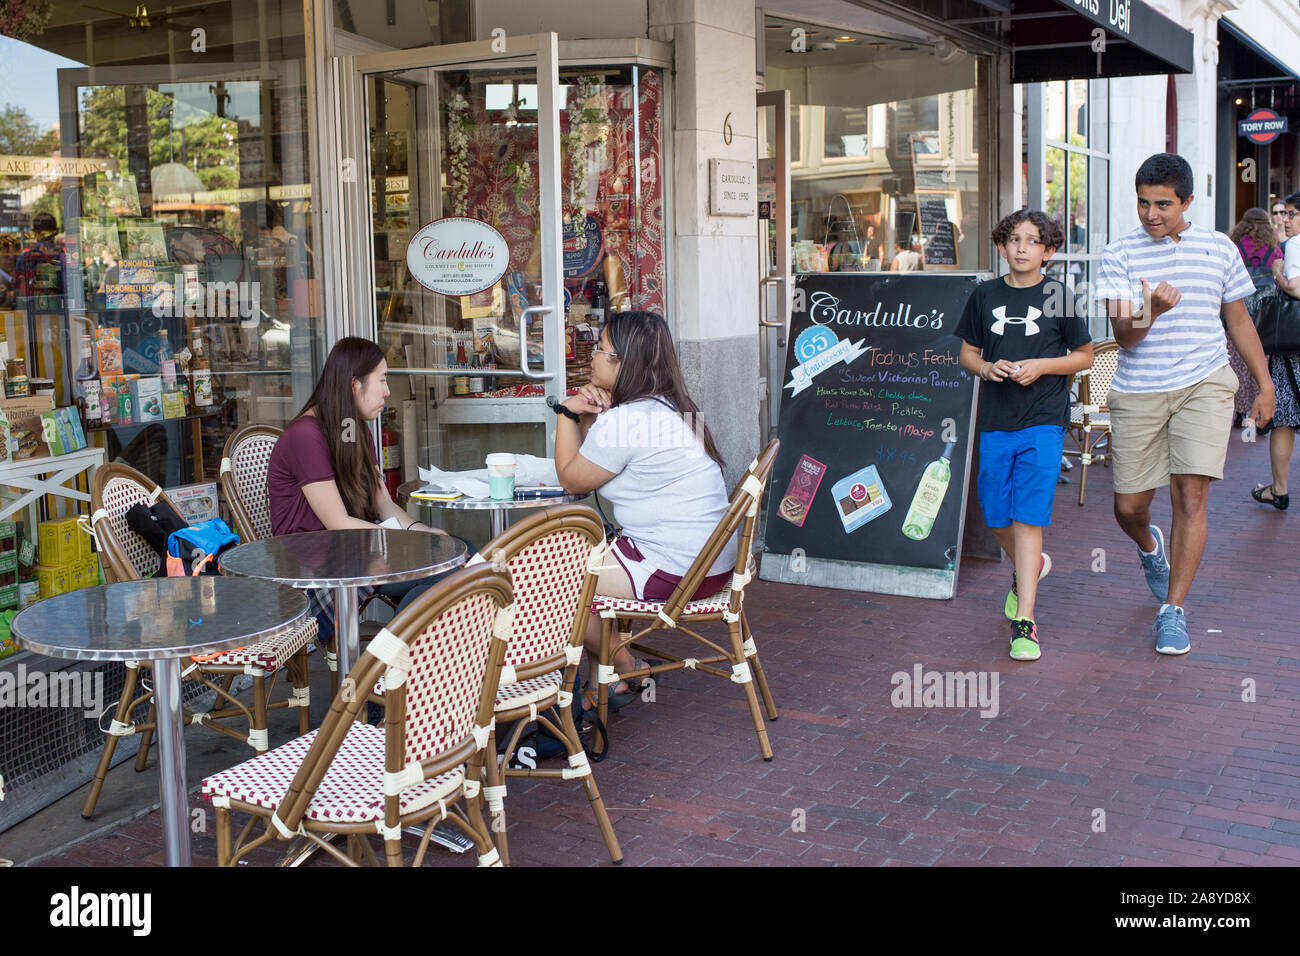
[763,283]
[523,344]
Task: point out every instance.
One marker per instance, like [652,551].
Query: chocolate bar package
[801,490]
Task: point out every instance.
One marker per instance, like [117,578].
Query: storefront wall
[1257,68]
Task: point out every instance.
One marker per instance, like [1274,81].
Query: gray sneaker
[1156,567]
[1171,631]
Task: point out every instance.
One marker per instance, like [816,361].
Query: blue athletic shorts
[1018,474]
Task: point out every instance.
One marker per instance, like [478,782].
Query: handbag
[1277,320]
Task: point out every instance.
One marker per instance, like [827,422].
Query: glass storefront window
[893,153]
[1054,108]
[1076,188]
[162,208]
[1057,185]
[1077,109]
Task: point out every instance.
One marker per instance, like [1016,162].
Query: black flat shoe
[1280,502]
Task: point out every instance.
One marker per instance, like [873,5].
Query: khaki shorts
[1183,432]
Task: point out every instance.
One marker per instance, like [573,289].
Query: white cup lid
[501,458]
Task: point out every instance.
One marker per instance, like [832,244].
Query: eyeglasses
[613,355]
[1279,212]
[1288,214]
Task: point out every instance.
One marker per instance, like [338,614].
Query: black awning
[1056,40]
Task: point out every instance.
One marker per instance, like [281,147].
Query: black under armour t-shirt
[1016,324]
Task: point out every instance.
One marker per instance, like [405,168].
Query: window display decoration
[632,210]
[25,19]
[459,126]
[586,110]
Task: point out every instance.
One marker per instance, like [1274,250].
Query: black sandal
[1280,502]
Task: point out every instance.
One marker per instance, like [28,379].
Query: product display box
[53,581]
[117,402]
[173,405]
[26,426]
[61,430]
[108,348]
[195,502]
[146,398]
[62,543]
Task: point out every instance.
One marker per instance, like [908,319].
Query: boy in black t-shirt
[1020,334]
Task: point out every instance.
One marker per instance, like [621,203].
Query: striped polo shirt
[1185,344]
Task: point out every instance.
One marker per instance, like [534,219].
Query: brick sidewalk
[1184,770]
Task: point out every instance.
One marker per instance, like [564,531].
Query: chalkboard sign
[877,417]
[937,231]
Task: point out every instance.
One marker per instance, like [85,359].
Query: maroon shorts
[651,584]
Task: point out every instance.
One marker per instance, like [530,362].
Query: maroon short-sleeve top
[301,457]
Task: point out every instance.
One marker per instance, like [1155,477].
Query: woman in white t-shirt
[1285,370]
[635,436]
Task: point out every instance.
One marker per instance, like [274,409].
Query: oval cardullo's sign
[457,256]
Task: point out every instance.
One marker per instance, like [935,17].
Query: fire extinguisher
[391,453]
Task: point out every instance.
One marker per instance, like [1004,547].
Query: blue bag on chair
[194,550]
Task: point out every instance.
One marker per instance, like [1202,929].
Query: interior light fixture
[1237,101]
[846,39]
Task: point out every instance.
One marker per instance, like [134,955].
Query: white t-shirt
[1185,344]
[667,493]
[1291,264]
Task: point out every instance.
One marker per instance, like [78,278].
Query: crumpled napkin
[529,470]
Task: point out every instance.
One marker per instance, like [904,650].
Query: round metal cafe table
[499,511]
[345,561]
[165,621]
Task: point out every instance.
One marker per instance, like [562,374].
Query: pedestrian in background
[1257,243]
[1285,371]
[1279,221]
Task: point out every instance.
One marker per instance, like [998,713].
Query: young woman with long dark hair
[324,472]
[639,441]
[1256,244]
[1285,370]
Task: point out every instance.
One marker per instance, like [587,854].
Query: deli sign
[1262,126]
[457,256]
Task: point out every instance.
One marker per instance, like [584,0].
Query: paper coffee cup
[501,476]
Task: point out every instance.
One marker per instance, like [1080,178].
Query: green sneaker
[1024,640]
[1012,606]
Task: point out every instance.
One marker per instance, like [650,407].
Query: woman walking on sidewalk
[1259,249]
[1285,371]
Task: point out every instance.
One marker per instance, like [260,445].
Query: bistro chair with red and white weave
[245,462]
[620,616]
[554,559]
[126,556]
[441,662]
[1090,415]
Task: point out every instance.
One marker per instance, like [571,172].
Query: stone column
[1198,100]
[714,266]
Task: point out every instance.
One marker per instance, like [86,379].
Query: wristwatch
[559,409]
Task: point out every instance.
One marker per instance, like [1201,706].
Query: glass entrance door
[470,137]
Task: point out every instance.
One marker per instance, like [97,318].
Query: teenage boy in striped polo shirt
[1165,284]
